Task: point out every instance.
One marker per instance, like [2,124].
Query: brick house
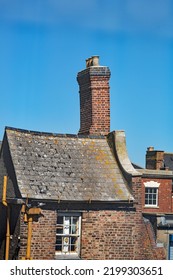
[157,197]
[76,196]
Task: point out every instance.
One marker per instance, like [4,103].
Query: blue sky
[44,44]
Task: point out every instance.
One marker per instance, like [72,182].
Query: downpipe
[4,202]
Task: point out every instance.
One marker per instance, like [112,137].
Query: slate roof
[65,167]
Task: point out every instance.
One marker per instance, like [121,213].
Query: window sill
[67,257]
[150,206]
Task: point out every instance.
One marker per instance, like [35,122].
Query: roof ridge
[65,135]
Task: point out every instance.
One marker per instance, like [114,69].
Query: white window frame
[154,186]
[66,235]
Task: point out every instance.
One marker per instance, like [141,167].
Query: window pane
[74,244]
[150,201]
[58,243]
[74,227]
[60,220]
[66,225]
[59,228]
[65,244]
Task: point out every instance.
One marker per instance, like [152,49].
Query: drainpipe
[4,194]
[28,250]
[4,202]
[7,247]
[29,214]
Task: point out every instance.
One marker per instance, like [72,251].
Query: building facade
[79,196]
[157,197]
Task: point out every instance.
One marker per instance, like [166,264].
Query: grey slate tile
[65,167]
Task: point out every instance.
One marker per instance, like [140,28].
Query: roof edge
[64,135]
[156,173]
[121,153]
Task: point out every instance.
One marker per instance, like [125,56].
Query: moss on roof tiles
[66,168]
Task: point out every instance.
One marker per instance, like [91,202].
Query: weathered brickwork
[154,159]
[105,234]
[138,219]
[43,236]
[152,252]
[94,100]
[108,235]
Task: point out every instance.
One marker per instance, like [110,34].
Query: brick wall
[43,236]
[94,100]
[116,235]
[105,234]
[154,159]
[164,196]
[152,252]
[138,218]
[108,235]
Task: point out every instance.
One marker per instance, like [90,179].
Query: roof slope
[65,167]
[168,160]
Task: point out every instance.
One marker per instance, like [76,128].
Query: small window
[151,196]
[68,234]
[151,193]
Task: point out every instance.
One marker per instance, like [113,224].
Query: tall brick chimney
[154,159]
[94,98]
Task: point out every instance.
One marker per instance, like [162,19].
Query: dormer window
[151,194]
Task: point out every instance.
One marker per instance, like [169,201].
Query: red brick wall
[145,238]
[116,235]
[43,236]
[108,235]
[164,196]
[105,235]
[152,252]
[138,218]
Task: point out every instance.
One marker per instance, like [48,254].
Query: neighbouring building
[78,196]
[157,196]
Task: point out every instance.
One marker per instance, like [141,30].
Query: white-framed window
[68,231]
[151,193]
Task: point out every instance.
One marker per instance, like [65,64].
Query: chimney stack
[154,159]
[94,98]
